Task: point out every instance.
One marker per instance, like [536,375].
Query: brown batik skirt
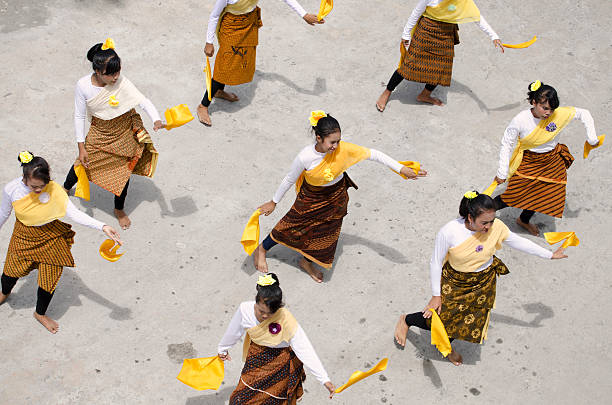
[429,58]
[46,248]
[270,376]
[238,39]
[540,181]
[312,225]
[116,149]
[467,299]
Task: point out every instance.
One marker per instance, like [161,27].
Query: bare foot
[531,228]
[203,115]
[223,95]
[455,358]
[401,329]
[47,322]
[3,297]
[381,103]
[425,97]
[259,259]
[124,221]
[309,268]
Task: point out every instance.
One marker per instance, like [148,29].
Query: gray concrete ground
[126,326]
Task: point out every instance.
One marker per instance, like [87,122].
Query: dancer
[40,240]
[236,23]
[427,46]
[312,226]
[464,272]
[117,144]
[276,350]
[532,158]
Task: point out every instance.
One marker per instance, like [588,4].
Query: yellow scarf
[261,334]
[333,164]
[454,12]
[38,209]
[478,248]
[238,8]
[541,135]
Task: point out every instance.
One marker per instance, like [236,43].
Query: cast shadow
[540,310]
[68,294]
[218,398]
[544,222]
[424,349]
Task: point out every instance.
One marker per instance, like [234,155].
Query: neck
[468,226]
[319,148]
[96,81]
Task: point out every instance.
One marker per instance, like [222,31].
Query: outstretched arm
[233,333]
[587,120]
[152,112]
[5,208]
[486,28]
[306,353]
[394,165]
[527,246]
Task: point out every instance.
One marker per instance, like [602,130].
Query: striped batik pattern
[46,248]
[540,181]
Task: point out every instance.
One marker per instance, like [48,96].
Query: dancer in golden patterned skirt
[275,352]
[464,272]
[40,240]
[117,144]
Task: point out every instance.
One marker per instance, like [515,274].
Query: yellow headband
[315,116]
[108,44]
[470,195]
[265,280]
[535,85]
[25,157]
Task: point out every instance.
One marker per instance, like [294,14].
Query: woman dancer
[236,23]
[534,160]
[40,240]
[117,144]
[427,45]
[464,272]
[276,350]
[312,226]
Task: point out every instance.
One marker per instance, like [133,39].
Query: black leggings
[269,243]
[71,180]
[214,87]
[525,215]
[416,319]
[396,79]
[43,297]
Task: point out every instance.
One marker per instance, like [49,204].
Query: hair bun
[93,51]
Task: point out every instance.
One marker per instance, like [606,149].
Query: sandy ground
[126,326]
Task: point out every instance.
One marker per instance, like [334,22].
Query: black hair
[326,126]
[104,61]
[475,206]
[543,94]
[37,168]
[271,295]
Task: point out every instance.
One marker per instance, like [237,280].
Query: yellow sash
[238,8]
[540,135]
[261,334]
[38,209]
[454,12]
[333,164]
[478,248]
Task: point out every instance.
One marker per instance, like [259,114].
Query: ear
[319,139]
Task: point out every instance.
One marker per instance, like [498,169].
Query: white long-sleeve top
[523,124]
[455,233]
[420,9]
[16,190]
[309,158]
[244,319]
[221,4]
[85,90]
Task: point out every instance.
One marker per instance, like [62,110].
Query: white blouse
[85,90]
[244,319]
[309,158]
[523,124]
[420,9]
[16,190]
[455,233]
[221,4]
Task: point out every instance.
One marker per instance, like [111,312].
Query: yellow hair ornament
[470,195]
[108,44]
[315,116]
[112,101]
[25,157]
[535,85]
[265,280]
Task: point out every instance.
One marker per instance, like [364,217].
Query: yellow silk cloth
[588,147]
[250,235]
[360,375]
[177,116]
[325,8]
[82,186]
[108,250]
[208,79]
[416,166]
[454,12]
[261,334]
[206,373]
[522,44]
[478,248]
[38,209]
[539,136]
[123,91]
[333,164]
[489,190]
[555,237]
[238,8]
[439,337]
